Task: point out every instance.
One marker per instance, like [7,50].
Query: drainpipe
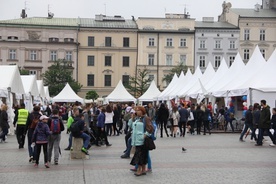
[136,66]
[158,86]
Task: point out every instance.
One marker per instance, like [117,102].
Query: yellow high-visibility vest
[22,116]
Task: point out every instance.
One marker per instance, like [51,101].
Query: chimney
[23,14]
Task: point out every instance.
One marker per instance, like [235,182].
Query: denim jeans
[245,130]
[261,135]
[5,132]
[86,139]
[70,140]
[32,150]
[128,147]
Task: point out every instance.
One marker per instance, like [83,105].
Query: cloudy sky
[11,9]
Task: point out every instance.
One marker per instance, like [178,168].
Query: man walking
[20,120]
[264,123]
[248,123]
[184,114]
[56,127]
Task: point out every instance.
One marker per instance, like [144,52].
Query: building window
[151,59]
[107,80]
[125,61]
[217,44]
[68,40]
[12,38]
[182,42]
[262,35]
[151,77]
[53,39]
[202,44]
[53,55]
[91,41]
[217,61]
[12,54]
[169,60]
[151,41]
[246,54]
[90,80]
[263,52]
[246,34]
[33,55]
[232,44]
[107,61]
[125,80]
[32,72]
[231,60]
[108,41]
[182,59]
[202,63]
[90,60]
[68,56]
[126,42]
[169,42]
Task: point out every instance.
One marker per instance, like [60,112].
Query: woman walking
[4,122]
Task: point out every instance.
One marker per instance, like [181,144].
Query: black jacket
[4,120]
[163,114]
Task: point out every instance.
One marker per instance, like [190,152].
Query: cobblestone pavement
[216,158]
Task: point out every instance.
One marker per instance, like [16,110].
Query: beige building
[164,43]
[34,43]
[107,53]
[257,27]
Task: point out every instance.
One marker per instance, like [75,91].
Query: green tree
[137,86]
[22,71]
[92,95]
[58,74]
[177,69]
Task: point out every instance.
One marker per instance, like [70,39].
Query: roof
[126,24]
[262,13]
[67,95]
[120,94]
[214,25]
[43,21]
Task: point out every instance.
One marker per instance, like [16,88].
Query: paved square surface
[217,158]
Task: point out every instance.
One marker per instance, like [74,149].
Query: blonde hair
[4,107]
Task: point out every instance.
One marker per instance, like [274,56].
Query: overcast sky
[11,9]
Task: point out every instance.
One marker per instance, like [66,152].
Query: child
[40,138]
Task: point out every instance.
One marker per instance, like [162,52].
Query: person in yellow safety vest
[21,119]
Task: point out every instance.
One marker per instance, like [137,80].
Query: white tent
[204,79]
[120,94]
[31,90]
[67,95]
[151,92]
[40,98]
[169,87]
[47,95]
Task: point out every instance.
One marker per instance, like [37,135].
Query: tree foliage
[177,69]
[137,86]
[92,95]
[58,75]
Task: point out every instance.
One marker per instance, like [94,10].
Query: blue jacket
[41,133]
[138,132]
[101,120]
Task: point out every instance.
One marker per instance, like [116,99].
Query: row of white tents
[256,80]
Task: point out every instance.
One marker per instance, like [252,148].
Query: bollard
[76,152]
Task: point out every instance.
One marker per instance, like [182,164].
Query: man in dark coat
[264,123]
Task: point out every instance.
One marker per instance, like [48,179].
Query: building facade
[164,43]
[107,53]
[215,41]
[257,27]
[34,43]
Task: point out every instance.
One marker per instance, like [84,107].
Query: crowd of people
[96,124]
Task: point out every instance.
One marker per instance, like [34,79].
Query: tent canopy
[120,94]
[10,78]
[30,84]
[67,95]
[151,92]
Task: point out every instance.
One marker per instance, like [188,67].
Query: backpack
[127,115]
[35,120]
[55,126]
[75,129]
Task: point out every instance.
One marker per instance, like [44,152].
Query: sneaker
[84,151]
[35,165]
[47,165]
[109,145]
[241,140]
[272,145]
[56,162]
[31,159]
[258,144]
[67,149]
[125,156]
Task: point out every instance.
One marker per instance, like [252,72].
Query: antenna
[104,8]
[50,14]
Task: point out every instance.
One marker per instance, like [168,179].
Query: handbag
[191,116]
[149,144]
